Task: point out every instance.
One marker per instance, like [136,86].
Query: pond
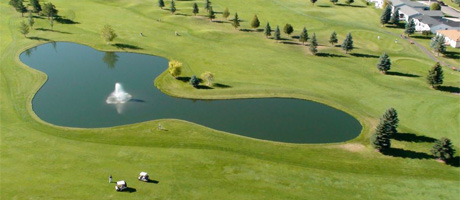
[81,78]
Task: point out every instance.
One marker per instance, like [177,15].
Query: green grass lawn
[42,161]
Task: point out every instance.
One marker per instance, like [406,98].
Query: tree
[255,23]
[314,45]
[348,2]
[208,77]
[207,5]
[49,10]
[435,76]
[108,34]
[385,3]
[19,6]
[173,7]
[304,36]
[174,68]
[161,3]
[236,21]
[313,2]
[427,33]
[35,6]
[384,63]
[435,6]
[334,1]
[391,117]
[196,10]
[380,140]
[211,14]
[226,13]
[13,3]
[410,27]
[277,33]
[386,15]
[347,44]
[194,81]
[51,23]
[268,30]
[443,149]
[288,29]
[31,20]
[438,45]
[24,29]
[395,17]
[333,39]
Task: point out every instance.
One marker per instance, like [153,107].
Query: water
[80,79]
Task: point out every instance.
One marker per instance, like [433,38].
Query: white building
[452,37]
[425,23]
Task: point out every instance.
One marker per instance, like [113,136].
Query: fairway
[40,160]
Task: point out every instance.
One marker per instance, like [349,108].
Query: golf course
[186,159]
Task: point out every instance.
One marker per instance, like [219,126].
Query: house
[432,13]
[406,13]
[415,4]
[446,25]
[451,37]
[425,23]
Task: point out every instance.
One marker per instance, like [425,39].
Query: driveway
[445,9]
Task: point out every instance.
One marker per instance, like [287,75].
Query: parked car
[121,185]
[143,176]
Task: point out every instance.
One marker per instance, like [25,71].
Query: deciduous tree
[333,39]
[174,68]
[208,77]
[435,6]
[49,10]
[36,6]
[288,29]
[226,13]
[255,23]
[108,34]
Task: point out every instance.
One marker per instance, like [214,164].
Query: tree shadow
[402,74]
[410,137]
[363,55]
[293,43]
[325,6]
[401,153]
[451,54]
[354,6]
[126,46]
[130,190]
[454,162]
[220,21]
[62,20]
[182,14]
[153,181]
[220,85]
[450,89]
[295,37]
[39,38]
[183,79]
[45,29]
[421,37]
[204,87]
[260,30]
[247,30]
[329,55]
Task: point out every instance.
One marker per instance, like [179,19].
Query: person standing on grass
[110,179]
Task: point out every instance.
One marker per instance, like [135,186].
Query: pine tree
[313,45]
[24,28]
[236,21]
[380,140]
[438,45]
[288,29]
[334,1]
[277,33]
[20,7]
[410,27]
[207,5]
[196,10]
[31,20]
[435,76]
[333,39]
[194,81]
[268,30]
[36,6]
[49,10]
[161,4]
[395,17]
[211,14]
[391,117]
[226,13]
[384,63]
[347,44]
[313,2]
[386,15]
[173,7]
[348,2]
[304,36]
[443,149]
[255,23]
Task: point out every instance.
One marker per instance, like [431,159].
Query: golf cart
[143,176]
[121,185]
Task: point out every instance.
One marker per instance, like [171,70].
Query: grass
[42,161]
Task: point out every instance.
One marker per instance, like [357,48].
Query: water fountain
[119,96]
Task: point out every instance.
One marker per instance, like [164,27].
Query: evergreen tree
[108,34]
[268,30]
[347,44]
[395,17]
[51,20]
[380,140]
[49,10]
[161,3]
[410,27]
[391,117]
[435,76]
[226,13]
[277,33]
[35,6]
[313,45]
[173,7]
[24,28]
[196,10]
[19,6]
[211,14]
[443,149]
[348,2]
[438,44]
[31,20]
[384,63]
[304,36]
[13,3]
[194,81]
[333,39]
[207,5]
[288,29]
[255,23]
[386,15]
[236,21]
[334,1]
[313,2]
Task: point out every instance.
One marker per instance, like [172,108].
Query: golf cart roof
[143,173]
[121,183]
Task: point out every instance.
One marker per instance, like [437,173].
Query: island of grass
[189,161]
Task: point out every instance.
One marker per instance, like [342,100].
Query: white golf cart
[143,176]
[121,185]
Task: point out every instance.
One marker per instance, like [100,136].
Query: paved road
[445,9]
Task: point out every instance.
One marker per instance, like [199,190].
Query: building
[425,23]
[446,25]
[406,13]
[452,37]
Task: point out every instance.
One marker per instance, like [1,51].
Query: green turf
[41,161]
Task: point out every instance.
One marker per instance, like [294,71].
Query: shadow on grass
[450,89]
[39,38]
[329,55]
[454,162]
[220,21]
[410,137]
[183,79]
[402,74]
[293,43]
[451,54]
[130,190]
[421,37]
[45,29]
[324,6]
[204,87]
[62,20]
[153,181]
[354,6]
[126,46]
[363,55]
[220,85]
[401,153]
[182,14]
[295,37]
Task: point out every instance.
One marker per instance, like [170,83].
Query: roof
[121,183]
[451,34]
[430,21]
[397,3]
[409,11]
[415,4]
[432,13]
